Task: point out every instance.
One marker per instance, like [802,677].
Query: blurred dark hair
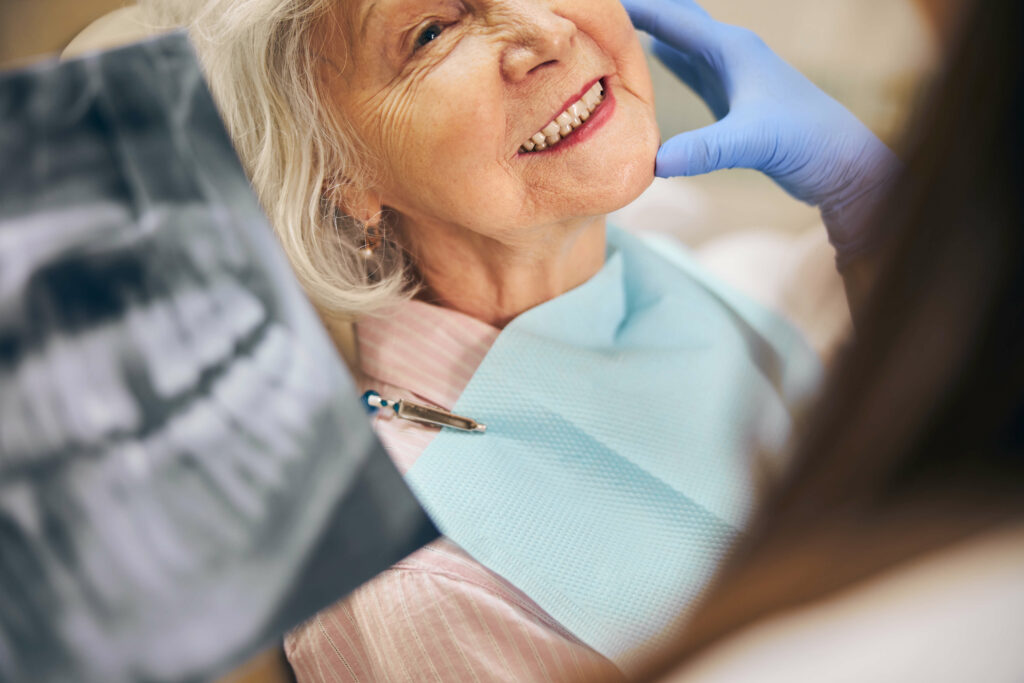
[918,441]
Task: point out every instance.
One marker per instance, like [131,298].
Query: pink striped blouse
[438,615]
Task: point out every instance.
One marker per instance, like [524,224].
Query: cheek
[448,142]
[632,64]
[608,24]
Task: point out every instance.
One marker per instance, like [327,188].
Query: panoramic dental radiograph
[185,469]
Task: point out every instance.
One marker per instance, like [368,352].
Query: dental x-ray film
[185,468]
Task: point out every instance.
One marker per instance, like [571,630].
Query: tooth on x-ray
[195,500]
[265,410]
[254,414]
[296,372]
[199,313]
[272,354]
[104,406]
[239,312]
[97,512]
[177,436]
[265,467]
[19,502]
[154,330]
[160,533]
[199,435]
[271,359]
[39,395]
[243,311]
[286,405]
[19,438]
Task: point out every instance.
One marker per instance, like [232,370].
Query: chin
[637,180]
[624,179]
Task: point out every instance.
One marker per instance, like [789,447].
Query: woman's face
[447,92]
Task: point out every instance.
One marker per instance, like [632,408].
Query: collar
[425,349]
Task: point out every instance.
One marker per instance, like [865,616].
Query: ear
[364,205]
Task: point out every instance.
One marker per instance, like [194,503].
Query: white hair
[261,58]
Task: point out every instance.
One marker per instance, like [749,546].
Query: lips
[568,121]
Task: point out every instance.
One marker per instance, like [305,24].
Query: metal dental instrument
[417,412]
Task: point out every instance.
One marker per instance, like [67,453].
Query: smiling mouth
[566,123]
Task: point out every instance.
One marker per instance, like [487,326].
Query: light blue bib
[622,422]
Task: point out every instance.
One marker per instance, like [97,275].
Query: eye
[428,35]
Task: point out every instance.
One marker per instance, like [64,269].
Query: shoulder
[955,615]
[438,615]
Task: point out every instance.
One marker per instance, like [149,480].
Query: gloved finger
[697,74]
[725,144]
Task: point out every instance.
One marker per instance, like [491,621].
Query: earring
[372,239]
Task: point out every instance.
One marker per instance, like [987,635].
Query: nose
[539,37]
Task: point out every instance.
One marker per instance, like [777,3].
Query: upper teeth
[566,122]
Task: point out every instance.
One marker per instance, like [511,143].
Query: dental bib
[623,421]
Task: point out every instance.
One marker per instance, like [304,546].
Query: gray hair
[261,58]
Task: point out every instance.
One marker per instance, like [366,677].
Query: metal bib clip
[422,414]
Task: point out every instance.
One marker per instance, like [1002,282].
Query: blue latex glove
[770,118]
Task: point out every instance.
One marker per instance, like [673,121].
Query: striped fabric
[438,615]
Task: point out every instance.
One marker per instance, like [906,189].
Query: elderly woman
[440,171]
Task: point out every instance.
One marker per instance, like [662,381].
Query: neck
[494,281]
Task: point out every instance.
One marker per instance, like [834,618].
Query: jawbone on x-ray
[185,469]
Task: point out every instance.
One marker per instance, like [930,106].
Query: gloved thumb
[725,144]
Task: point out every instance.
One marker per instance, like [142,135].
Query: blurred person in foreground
[894,548]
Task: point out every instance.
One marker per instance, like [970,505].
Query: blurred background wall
[35,27]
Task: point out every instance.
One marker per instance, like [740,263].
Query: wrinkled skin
[444,92]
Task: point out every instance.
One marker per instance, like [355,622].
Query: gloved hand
[770,118]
